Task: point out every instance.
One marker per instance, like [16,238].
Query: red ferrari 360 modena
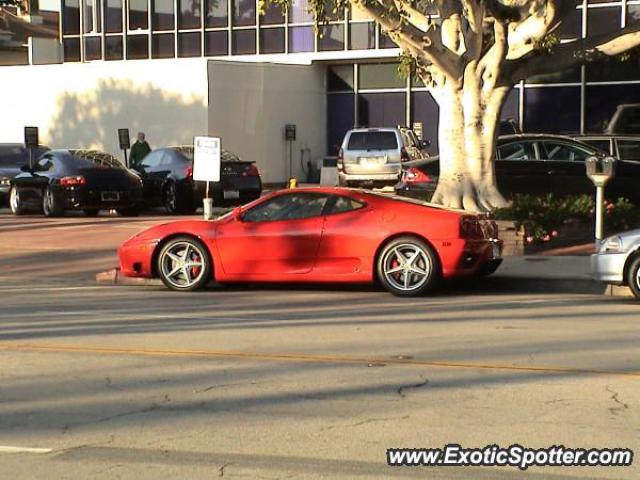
[318,235]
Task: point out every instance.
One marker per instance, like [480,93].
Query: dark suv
[12,157]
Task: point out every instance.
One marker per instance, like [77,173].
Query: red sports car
[318,235]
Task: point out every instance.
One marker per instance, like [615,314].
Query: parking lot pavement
[260,382]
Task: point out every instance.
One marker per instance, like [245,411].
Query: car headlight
[611,245]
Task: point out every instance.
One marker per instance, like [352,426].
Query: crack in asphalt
[402,389]
[623,406]
[221,470]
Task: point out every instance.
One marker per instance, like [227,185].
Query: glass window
[216,43]
[188,14]
[571,26]
[244,12]
[604,145]
[362,36]
[331,37]
[273,15]
[294,206]
[552,109]
[299,12]
[381,109]
[380,75]
[272,40]
[137,47]
[633,14]
[603,100]
[189,44]
[372,141]
[573,75]
[93,48]
[153,159]
[301,39]
[217,13]
[163,15]
[71,47]
[163,45]
[113,16]
[340,78]
[71,17]
[340,112]
[603,20]
[138,11]
[629,149]
[564,152]
[244,42]
[613,68]
[92,21]
[425,110]
[345,204]
[113,48]
[517,151]
[45,164]
[385,42]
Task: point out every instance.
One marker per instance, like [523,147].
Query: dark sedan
[84,180]
[532,164]
[13,156]
[167,176]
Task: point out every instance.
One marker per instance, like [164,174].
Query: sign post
[31,141]
[206,167]
[600,171]
[125,143]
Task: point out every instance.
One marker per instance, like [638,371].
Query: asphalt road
[256,382]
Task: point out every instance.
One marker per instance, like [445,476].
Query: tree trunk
[469,120]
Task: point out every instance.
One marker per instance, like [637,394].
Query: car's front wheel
[17,208]
[408,267]
[184,264]
[633,277]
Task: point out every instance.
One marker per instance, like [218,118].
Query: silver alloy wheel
[183,264]
[638,278]
[406,267]
[47,202]
[170,198]
[14,200]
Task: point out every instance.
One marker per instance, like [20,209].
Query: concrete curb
[501,284]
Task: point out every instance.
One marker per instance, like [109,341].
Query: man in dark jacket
[139,150]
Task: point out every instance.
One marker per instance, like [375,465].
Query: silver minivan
[371,157]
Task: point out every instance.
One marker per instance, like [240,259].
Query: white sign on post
[206,159]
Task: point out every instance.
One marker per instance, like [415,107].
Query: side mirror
[237,214]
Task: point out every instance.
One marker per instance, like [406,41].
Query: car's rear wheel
[184,264]
[633,276]
[51,205]
[173,202]
[407,267]
[17,208]
[91,212]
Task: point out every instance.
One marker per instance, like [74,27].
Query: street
[281,382]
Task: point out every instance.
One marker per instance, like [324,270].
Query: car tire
[407,267]
[173,202]
[633,276]
[17,208]
[128,212]
[51,206]
[176,275]
[91,212]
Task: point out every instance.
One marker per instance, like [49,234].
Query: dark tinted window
[373,141]
[629,121]
[153,159]
[517,151]
[346,204]
[600,144]
[565,152]
[629,149]
[45,164]
[288,207]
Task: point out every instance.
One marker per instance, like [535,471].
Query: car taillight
[404,156]
[340,160]
[189,172]
[470,228]
[251,171]
[73,181]
[415,175]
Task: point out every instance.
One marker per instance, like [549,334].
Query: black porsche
[84,180]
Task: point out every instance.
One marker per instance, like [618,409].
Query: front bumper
[136,258]
[609,267]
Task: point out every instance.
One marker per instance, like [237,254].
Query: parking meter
[600,171]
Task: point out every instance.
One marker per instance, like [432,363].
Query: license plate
[110,196]
[496,251]
[372,161]
[231,194]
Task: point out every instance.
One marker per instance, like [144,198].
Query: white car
[618,261]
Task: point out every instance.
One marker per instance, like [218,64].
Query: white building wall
[83,105]
[250,104]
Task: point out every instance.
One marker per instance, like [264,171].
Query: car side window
[152,160]
[603,145]
[345,204]
[517,151]
[45,164]
[294,206]
[564,152]
[629,149]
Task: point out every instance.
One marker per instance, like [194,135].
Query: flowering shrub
[545,217]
